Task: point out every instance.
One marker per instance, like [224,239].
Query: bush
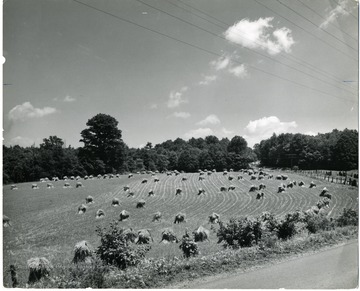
[289,226]
[243,232]
[116,249]
[317,222]
[189,247]
[348,217]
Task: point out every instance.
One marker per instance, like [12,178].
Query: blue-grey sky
[232,67]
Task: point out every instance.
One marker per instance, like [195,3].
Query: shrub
[289,225]
[188,247]
[314,223]
[242,232]
[116,249]
[269,222]
[268,240]
[348,217]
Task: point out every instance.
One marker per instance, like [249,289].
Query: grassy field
[45,222]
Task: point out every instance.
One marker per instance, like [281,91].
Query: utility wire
[302,16]
[255,52]
[205,50]
[355,17]
[315,36]
[292,58]
[313,10]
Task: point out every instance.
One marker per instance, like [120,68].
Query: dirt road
[330,269]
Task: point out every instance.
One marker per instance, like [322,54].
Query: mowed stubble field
[46,223]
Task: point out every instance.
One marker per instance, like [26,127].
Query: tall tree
[237,145]
[102,141]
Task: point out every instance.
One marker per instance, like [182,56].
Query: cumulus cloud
[239,71]
[197,133]
[256,35]
[207,80]
[26,111]
[69,99]
[310,133]
[263,128]
[226,132]
[220,63]
[21,141]
[183,115]
[176,98]
[212,119]
[335,13]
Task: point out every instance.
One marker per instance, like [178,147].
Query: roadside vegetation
[119,262]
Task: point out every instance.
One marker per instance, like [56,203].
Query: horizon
[186,140]
[170,69]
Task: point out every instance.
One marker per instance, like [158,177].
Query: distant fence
[332,176]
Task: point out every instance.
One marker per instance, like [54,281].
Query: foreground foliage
[117,247]
[159,273]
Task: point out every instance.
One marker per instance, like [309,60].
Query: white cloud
[26,111]
[310,133]
[239,71]
[183,115]
[263,128]
[153,106]
[335,13]
[176,98]
[221,63]
[255,35]
[211,119]
[197,133]
[207,80]
[69,99]
[21,141]
[226,132]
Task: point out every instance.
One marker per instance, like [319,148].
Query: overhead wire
[318,14]
[205,50]
[302,16]
[300,27]
[251,50]
[355,17]
[289,57]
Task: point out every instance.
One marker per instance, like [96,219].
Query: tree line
[336,150]
[105,152]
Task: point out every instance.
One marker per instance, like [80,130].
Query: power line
[205,50]
[292,58]
[255,52]
[302,16]
[313,10]
[356,18]
[315,36]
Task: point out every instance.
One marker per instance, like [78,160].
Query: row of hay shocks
[83,252]
[341,177]
[110,176]
[77,178]
[50,186]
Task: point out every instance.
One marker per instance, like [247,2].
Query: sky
[179,68]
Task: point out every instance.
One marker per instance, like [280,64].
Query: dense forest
[337,150]
[104,151]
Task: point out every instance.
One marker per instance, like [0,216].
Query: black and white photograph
[180,144]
